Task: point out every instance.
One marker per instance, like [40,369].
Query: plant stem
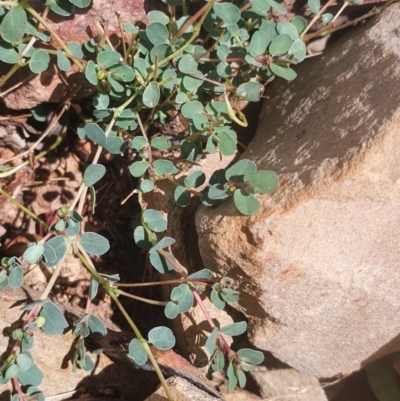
[39,18]
[23,208]
[10,73]
[146,300]
[54,277]
[316,17]
[143,342]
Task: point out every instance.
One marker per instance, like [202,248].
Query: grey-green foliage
[165,72]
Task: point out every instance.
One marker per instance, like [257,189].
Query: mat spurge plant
[190,62]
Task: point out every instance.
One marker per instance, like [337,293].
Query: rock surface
[49,353]
[50,86]
[181,390]
[318,265]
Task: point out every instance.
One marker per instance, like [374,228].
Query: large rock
[318,265]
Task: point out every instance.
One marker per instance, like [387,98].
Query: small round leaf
[151,95]
[181,196]
[55,322]
[94,244]
[93,173]
[245,203]
[162,338]
[137,352]
[155,220]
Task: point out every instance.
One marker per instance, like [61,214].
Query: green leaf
[139,142]
[7,53]
[250,356]
[227,145]
[195,179]
[76,49]
[160,263]
[12,371]
[160,143]
[260,7]
[164,243]
[228,12]
[33,253]
[81,3]
[137,352]
[264,182]
[122,73]
[286,27]
[187,64]
[157,33]
[54,250]
[217,300]
[130,28]
[277,7]
[62,7]
[218,361]
[109,58]
[162,167]
[154,219]
[182,197]
[245,203]
[192,83]
[55,322]
[93,174]
[251,91]
[314,6]
[15,277]
[171,83]
[94,244]
[146,186]
[217,192]
[157,16]
[283,72]
[237,172]
[210,343]
[90,72]
[201,274]
[95,133]
[191,151]
[13,25]
[191,108]
[141,238]
[31,377]
[63,62]
[224,70]
[232,379]
[326,18]
[280,45]
[298,50]
[229,295]
[97,327]
[183,296]
[93,288]
[234,329]
[171,310]
[162,337]
[382,380]
[39,61]
[241,378]
[259,43]
[24,360]
[140,66]
[151,95]
[115,145]
[300,23]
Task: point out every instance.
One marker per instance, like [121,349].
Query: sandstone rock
[50,85]
[181,390]
[191,328]
[49,354]
[318,265]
